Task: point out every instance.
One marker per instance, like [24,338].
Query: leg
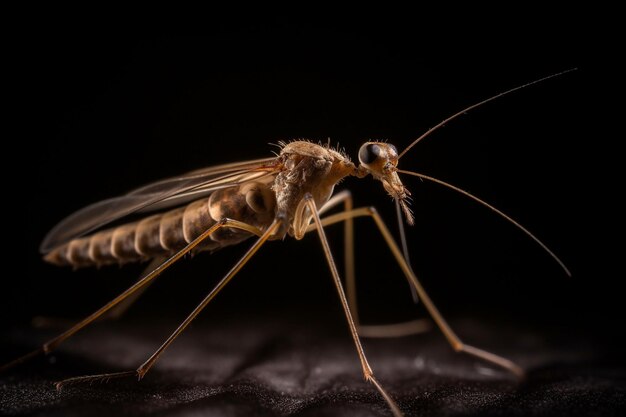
[345,197]
[387,330]
[145,367]
[47,322]
[367,370]
[51,344]
[115,313]
[447,331]
[119,310]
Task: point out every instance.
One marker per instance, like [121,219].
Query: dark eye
[369,153]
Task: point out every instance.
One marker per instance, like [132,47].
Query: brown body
[302,167]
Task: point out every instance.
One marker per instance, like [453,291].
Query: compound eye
[369,153]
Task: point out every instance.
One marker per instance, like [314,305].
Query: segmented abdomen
[166,233]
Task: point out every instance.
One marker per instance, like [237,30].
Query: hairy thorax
[307,168]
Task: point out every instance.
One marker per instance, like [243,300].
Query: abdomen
[165,233]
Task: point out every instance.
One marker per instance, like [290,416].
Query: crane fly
[289,194]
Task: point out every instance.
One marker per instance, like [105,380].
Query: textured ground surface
[273,368]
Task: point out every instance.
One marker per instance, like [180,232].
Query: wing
[157,196]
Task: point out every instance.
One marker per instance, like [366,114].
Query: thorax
[306,168]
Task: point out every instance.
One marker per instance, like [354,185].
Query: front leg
[368,373]
[373,331]
[455,341]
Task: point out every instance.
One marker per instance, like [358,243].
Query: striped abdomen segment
[165,233]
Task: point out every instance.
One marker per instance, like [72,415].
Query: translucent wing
[156,196]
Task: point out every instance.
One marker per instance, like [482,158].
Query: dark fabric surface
[269,366]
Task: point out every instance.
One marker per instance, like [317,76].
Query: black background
[106,115]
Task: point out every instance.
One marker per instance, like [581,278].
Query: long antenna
[473,106]
[492,208]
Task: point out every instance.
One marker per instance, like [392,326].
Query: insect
[265,199]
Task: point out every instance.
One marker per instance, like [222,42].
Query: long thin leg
[119,310]
[145,367]
[345,197]
[457,344]
[384,330]
[367,370]
[113,314]
[51,344]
